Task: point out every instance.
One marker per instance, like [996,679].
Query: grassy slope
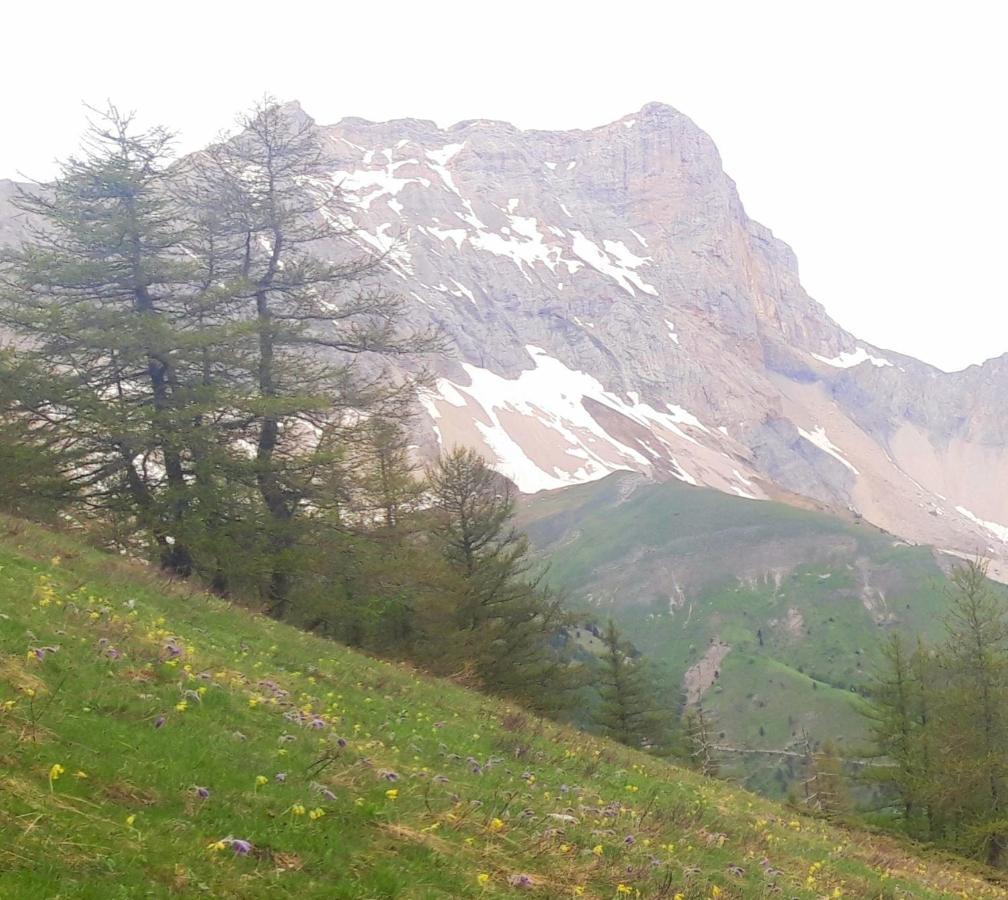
[123,820]
[743,567]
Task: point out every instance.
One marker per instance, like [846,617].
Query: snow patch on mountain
[819,438]
[553,395]
[620,271]
[385,181]
[848,359]
[995,528]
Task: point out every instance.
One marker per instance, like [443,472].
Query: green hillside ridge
[802,599]
[147,731]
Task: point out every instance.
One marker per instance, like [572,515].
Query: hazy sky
[871,136]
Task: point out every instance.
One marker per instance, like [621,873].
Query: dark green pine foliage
[487,614]
[940,724]
[972,714]
[630,708]
[898,721]
[101,297]
[359,583]
[308,373]
[32,467]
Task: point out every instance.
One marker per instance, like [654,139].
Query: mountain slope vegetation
[156,742]
[772,616]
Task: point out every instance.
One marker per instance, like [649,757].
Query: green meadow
[157,742]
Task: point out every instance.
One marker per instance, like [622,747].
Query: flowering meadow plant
[218,753]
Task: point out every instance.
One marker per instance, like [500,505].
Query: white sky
[871,136]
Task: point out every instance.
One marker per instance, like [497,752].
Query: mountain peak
[613,307]
[293,110]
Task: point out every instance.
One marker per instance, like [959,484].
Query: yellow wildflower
[483,878]
[392,793]
[54,772]
[496,824]
[598,850]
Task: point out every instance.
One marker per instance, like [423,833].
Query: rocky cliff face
[613,307]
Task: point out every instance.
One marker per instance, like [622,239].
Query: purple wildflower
[280,777]
[390,776]
[159,722]
[522,881]
[341,742]
[201,792]
[240,847]
[629,840]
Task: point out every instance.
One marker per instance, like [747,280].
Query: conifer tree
[306,376]
[896,727]
[630,710]
[941,724]
[974,708]
[487,604]
[97,297]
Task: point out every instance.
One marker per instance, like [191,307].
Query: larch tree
[487,603]
[941,727]
[630,708]
[896,727]
[318,322]
[973,712]
[97,298]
